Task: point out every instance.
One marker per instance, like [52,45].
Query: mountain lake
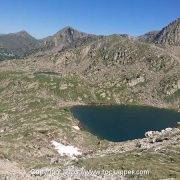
[124,122]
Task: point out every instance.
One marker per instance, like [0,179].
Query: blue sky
[45,17]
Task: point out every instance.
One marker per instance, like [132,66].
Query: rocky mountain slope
[124,70]
[148,37]
[169,35]
[67,38]
[6,54]
[20,44]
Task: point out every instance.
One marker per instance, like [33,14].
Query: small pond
[121,123]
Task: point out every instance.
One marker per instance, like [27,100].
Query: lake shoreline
[127,119]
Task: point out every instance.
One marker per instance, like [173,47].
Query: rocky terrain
[41,79]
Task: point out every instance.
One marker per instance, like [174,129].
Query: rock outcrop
[158,136]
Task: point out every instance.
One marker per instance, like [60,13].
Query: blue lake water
[121,123]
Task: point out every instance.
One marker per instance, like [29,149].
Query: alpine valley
[42,79]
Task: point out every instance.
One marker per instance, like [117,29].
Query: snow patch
[76,127]
[70,151]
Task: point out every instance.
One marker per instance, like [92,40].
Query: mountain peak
[177,20]
[67,37]
[23,33]
[169,34]
[68,28]
[70,31]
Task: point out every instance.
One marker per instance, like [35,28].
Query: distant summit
[23,33]
[19,43]
[67,37]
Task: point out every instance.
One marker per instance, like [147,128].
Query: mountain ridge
[169,35]
[22,44]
